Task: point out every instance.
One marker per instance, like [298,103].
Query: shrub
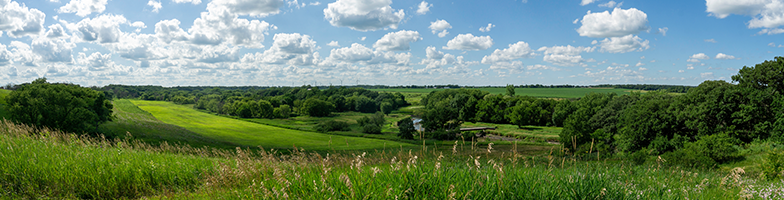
[332,125]
[639,157]
[707,152]
[773,167]
[371,129]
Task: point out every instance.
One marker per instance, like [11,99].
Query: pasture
[249,134]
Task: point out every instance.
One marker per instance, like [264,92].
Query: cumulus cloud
[440,26]
[397,41]
[469,42]
[515,51]
[623,44]
[18,20]
[194,2]
[96,61]
[289,48]
[663,31]
[767,14]
[156,5]
[423,8]
[565,55]
[333,44]
[706,75]
[586,2]
[722,56]
[53,50]
[698,57]
[254,8]
[436,59]
[169,30]
[363,15]
[83,7]
[103,29]
[56,31]
[219,25]
[618,23]
[359,54]
[486,28]
[5,56]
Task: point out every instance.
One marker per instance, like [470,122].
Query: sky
[385,42]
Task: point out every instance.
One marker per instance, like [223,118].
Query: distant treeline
[648,87]
[266,102]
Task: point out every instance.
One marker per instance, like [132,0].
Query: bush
[639,157]
[773,167]
[707,152]
[371,129]
[332,125]
[377,119]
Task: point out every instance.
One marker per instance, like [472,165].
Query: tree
[317,108]
[766,74]
[66,107]
[284,111]
[406,128]
[386,107]
[510,90]
[264,109]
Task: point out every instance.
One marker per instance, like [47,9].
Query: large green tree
[66,107]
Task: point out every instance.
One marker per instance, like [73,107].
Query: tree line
[698,128]
[268,102]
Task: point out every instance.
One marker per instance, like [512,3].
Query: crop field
[243,133]
[534,92]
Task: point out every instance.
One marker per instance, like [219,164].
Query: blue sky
[390,42]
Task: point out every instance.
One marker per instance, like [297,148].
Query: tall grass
[39,163]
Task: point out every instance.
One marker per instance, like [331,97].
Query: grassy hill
[245,133]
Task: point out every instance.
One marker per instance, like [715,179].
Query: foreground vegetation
[49,164]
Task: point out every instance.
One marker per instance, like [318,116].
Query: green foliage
[263,109]
[563,109]
[773,166]
[317,108]
[707,152]
[332,125]
[510,90]
[578,126]
[386,107]
[60,106]
[364,104]
[284,111]
[371,128]
[645,120]
[768,74]
[639,157]
[406,128]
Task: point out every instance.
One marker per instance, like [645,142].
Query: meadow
[526,133]
[248,134]
[418,93]
[40,163]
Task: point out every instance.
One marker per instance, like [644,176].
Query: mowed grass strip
[252,134]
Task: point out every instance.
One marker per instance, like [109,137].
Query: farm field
[250,134]
[534,92]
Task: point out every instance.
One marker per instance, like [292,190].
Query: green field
[527,133]
[534,92]
[243,133]
[308,123]
[3,111]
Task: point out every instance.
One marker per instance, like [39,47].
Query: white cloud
[706,75]
[611,4]
[397,41]
[359,54]
[355,53]
[487,28]
[771,31]
[440,26]
[698,57]
[710,40]
[194,2]
[56,31]
[363,15]
[642,69]
[623,44]
[564,55]
[292,49]
[722,56]
[639,63]
[156,5]
[18,20]
[53,50]
[96,61]
[515,51]
[362,38]
[83,7]
[103,29]
[469,42]
[765,13]
[586,2]
[772,44]
[618,23]
[254,8]
[5,56]
[663,31]
[169,30]
[333,44]
[219,25]
[423,8]
[436,59]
